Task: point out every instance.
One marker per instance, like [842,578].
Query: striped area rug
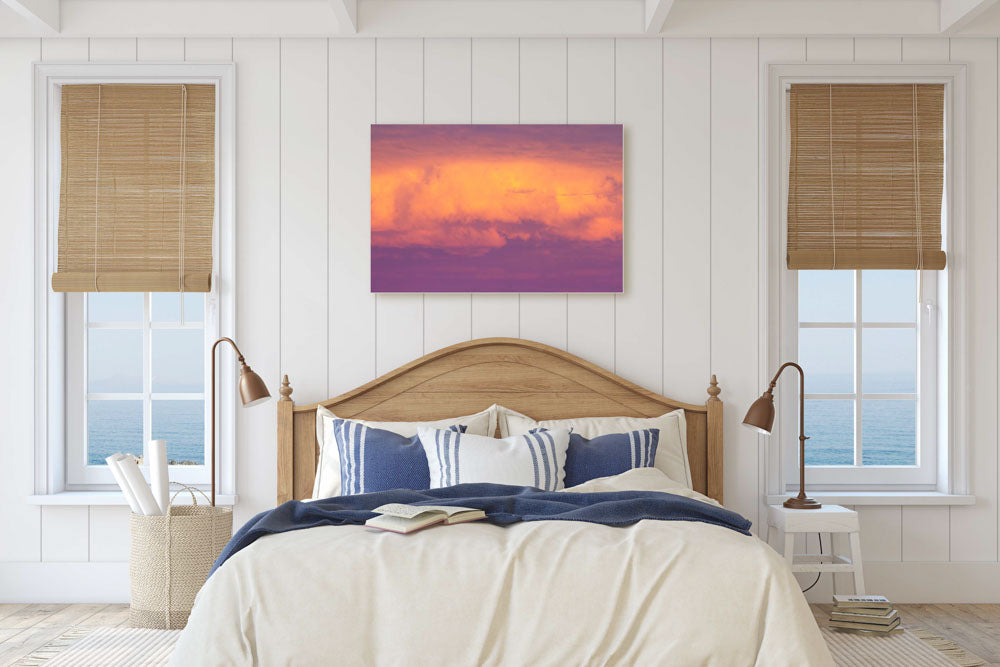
[100,647]
[914,648]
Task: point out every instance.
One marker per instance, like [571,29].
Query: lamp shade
[760,416]
[252,388]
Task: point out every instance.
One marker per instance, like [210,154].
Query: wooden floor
[26,627]
[974,627]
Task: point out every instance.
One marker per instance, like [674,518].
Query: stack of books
[864,613]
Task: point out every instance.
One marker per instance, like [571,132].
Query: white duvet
[538,593]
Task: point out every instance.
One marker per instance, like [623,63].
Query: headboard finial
[714,389]
[286,389]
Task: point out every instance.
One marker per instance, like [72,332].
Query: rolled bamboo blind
[866,176]
[137,194]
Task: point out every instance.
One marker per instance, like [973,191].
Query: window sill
[881,498]
[109,498]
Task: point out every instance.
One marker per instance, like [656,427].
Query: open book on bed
[402,518]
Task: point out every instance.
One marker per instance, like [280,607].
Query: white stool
[827,519]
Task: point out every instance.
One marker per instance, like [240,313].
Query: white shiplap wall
[691,306]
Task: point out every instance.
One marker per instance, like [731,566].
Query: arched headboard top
[538,380]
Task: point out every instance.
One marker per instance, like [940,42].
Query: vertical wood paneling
[109,534]
[734,237]
[447,99]
[65,532]
[208,49]
[19,523]
[155,49]
[590,318]
[352,305]
[65,50]
[974,529]
[925,532]
[878,49]
[258,260]
[639,310]
[687,192]
[495,99]
[400,99]
[830,49]
[543,100]
[304,217]
[113,49]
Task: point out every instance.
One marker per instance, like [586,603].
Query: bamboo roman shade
[866,176]
[137,193]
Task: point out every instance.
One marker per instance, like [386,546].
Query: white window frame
[54,311]
[943,303]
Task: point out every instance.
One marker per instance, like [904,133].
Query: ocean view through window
[145,374]
[858,343]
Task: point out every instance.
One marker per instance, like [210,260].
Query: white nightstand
[827,519]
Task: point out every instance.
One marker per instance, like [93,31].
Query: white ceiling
[484,18]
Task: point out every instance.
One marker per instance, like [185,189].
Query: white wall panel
[881,533]
[19,523]
[590,89]
[113,49]
[639,310]
[258,261]
[160,49]
[303,221]
[495,99]
[830,49]
[109,534]
[208,49]
[400,99]
[352,305]
[65,532]
[974,529]
[926,49]
[924,534]
[543,100]
[878,49]
[734,259]
[687,205]
[63,50]
[447,99]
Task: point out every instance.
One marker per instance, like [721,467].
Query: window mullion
[858,388]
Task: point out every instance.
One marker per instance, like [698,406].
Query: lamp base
[802,504]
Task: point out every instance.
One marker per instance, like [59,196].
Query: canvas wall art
[496,208]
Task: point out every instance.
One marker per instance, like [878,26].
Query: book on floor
[874,619]
[861,602]
[867,627]
[402,518]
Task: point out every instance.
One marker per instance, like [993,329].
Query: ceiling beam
[957,14]
[347,14]
[656,15]
[42,13]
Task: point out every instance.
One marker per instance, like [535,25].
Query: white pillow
[639,479]
[327,482]
[536,459]
[671,452]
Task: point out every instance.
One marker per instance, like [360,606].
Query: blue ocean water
[116,426]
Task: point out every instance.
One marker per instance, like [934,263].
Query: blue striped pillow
[608,455]
[372,459]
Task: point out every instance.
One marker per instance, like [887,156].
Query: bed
[545,592]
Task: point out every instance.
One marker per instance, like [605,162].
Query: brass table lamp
[252,391]
[760,417]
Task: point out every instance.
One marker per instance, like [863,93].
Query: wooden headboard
[540,381]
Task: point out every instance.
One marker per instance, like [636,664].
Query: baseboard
[64,582]
[939,582]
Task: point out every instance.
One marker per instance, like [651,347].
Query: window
[137,367]
[869,350]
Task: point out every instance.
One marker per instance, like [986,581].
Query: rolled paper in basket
[147,503]
[122,483]
[158,474]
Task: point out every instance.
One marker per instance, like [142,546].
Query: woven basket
[170,559]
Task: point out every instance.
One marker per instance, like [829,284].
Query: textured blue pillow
[372,459]
[610,454]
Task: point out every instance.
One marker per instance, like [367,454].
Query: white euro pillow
[533,459]
[671,452]
[327,482]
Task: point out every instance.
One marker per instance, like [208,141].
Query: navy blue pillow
[372,459]
[610,454]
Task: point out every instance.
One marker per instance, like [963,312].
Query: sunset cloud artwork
[496,208]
